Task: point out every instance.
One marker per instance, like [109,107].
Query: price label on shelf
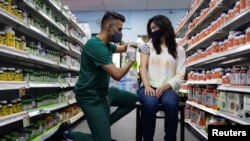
[22,92]
[26,121]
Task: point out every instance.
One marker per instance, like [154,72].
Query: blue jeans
[169,100]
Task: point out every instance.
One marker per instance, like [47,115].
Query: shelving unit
[200,131]
[180,32]
[221,32]
[55,37]
[35,112]
[237,55]
[48,133]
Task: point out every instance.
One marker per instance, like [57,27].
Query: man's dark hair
[111,15]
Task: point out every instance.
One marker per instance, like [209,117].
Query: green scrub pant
[99,118]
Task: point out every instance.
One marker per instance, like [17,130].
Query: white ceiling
[103,5]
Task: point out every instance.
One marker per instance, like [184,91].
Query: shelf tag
[26,121]
[22,92]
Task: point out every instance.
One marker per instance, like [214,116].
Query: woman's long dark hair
[166,26]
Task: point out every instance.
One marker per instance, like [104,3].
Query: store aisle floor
[124,130]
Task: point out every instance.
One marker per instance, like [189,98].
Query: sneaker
[59,134]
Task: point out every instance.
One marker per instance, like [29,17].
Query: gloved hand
[143,48]
[131,53]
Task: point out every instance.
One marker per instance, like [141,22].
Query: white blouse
[163,68]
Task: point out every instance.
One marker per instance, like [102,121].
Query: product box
[239,100]
[246,104]
[230,102]
[221,102]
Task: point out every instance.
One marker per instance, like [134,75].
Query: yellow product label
[1,5]
[17,45]
[1,76]
[14,108]
[2,40]
[1,109]
[10,76]
[10,110]
[10,39]
[5,110]
[19,107]
[17,77]
[5,76]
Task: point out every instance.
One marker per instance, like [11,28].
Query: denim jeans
[169,100]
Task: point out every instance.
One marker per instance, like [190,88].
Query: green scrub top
[93,81]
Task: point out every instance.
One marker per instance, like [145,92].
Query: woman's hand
[149,91]
[159,91]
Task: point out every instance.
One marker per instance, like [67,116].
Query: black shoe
[113,140]
[59,134]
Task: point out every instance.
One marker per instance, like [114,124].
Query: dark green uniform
[94,95]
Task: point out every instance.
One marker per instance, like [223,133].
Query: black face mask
[156,36]
[116,36]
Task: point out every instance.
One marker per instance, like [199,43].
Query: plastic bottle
[1,110]
[248,76]
[230,39]
[248,35]
[1,75]
[4,104]
[242,5]
[2,38]
[2,4]
[243,76]
[9,36]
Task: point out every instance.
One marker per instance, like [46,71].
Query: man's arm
[121,48]
[117,73]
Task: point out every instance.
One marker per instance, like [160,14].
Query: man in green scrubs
[92,88]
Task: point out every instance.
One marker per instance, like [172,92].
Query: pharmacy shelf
[52,22]
[34,32]
[12,85]
[219,57]
[243,89]
[12,118]
[10,19]
[238,21]
[46,17]
[12,52]
[74,68]
[204,108]
[222,5]
[181,31]
[43,85]
[34,112]
[72,84]
[200,131]
[75,52]
[47,109]
[48,133]
[79,41]
[183,91]
[220,113]
[59,11]
[72,101]
[234,118]
[76,117]
[207,82]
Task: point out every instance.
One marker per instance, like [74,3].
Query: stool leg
[138,124]
[182,125]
